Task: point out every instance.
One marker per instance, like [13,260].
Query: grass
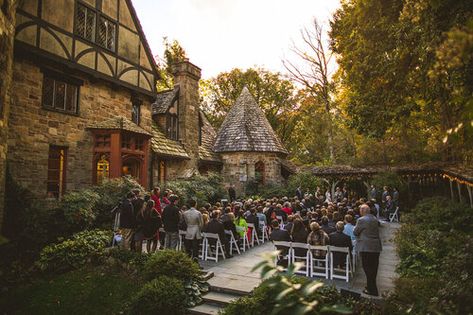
[87,291]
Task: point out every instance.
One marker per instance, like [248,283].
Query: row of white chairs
[315,266]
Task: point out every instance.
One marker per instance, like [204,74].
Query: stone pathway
[233,277]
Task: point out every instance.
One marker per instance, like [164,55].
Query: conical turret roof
[246,128]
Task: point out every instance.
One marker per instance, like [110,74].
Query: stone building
[78,104]
[83,83]
[249,148]
[7,33]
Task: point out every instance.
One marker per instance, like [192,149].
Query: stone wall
[239,168]
[33,129]
[7,31]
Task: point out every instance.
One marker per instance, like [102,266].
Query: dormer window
[172,123]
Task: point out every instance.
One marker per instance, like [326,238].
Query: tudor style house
[78,104]
[83,83]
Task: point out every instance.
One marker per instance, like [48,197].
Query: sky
[219,35]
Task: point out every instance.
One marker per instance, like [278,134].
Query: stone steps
[215,300]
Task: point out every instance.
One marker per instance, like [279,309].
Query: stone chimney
[187,76]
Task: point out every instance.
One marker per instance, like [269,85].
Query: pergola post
[459,192]
[451,189]
[470,194]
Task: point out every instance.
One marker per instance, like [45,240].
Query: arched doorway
[259,172]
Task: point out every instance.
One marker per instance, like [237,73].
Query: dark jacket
[228,224]
[171,218]
[280,235]
[252,218]
[214,226]
[340,240]
[127,215]
[327,229]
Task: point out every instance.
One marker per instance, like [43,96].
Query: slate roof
[246,128]
[119,123]
[164,100]
[206,152]
[161,145]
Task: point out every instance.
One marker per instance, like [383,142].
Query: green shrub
[163,295]
[205,189]
[435,246]
[78,208]
[131,260]
[73,253]
[171,263]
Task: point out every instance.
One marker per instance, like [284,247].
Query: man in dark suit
[216,227]
[325,226]
[368,244]
[339,239]
[280,235]
[171,217]
[232,193]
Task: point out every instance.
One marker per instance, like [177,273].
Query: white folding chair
[394,216]
[254,235]
[246,241]
[182,237]
[319,267]
[207,248]
[233,242]
[264,231]
[305,258]
[282,247]
[337,273]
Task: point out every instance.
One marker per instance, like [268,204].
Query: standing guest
[395,197]
[127,220]
[299,194]
[171,218]
[138,203]
[328,197]
[373,193]
[338,196]
[155,196]
[194,222]
[384,195]
[232,193]
[368,244]
[389,206]
[317,237]
[339,239]
[152,226]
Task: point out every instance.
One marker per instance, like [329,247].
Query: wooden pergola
[460,178]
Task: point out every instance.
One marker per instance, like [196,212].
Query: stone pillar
[187,76]
[7,34]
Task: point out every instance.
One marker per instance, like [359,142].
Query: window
[162,171]
[59,95]
[102,141]
[56,184]
[172,125]
[106,34]
[139,144]
[103,169]
[85,22]
[126,142]
[95,27]
[136,112]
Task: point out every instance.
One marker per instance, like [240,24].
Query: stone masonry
[7,31]
[33,129]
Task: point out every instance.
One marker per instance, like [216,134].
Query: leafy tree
[314,75]
[173,52]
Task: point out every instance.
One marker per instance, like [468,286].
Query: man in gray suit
[368,244]
[194,222]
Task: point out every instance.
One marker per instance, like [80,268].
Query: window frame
[136,104]
[172,134]
[98,16]
[62,180]
[67,81]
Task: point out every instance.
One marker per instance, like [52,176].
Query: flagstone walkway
[235,273]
